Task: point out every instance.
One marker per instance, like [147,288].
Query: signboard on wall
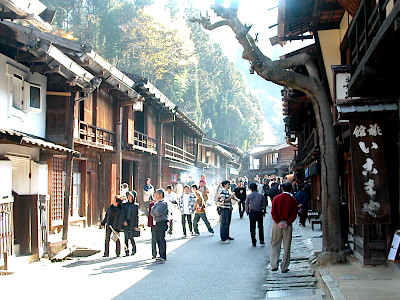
[174,178]
[370,186]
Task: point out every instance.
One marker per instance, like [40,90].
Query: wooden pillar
[160,142]
[118,137]
[68,162]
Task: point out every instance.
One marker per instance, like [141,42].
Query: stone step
[298,294]
[293,279]
[288,285]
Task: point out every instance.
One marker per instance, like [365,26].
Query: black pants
[107,243]
[241,205]
[160,229]
[129,237]
[189,220]
[256,217]
[153,242]
[303,217]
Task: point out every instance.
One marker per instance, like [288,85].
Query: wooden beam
[59,41]
[13,16]
[63,94]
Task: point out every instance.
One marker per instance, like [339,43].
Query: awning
[344,110]
[181,166]
[22,138]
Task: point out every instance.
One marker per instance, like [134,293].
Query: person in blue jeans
[225,199]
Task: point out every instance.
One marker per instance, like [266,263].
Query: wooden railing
[6,225]
[311,144]
[143,142]
[363,29]
[96,136]
[179,154]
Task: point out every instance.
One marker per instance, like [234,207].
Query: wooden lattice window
[57,189]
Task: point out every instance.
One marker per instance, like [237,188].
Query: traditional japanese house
[213,160]
[356,43]
[159,142]
[24,150]
[83,112]
[269,160]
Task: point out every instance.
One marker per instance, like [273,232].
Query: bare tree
[280,72]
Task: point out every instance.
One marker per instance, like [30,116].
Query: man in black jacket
[131,224]
[115,218]
[273,191]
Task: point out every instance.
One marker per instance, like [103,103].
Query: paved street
[196,268]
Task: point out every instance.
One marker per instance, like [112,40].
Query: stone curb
[331,286]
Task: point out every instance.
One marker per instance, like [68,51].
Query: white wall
[11,118]
[6,178]
[330,47]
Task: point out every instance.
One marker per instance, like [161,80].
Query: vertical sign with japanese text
[370,185]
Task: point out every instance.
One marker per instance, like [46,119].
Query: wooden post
[118,137]
[68,163]
[159,155]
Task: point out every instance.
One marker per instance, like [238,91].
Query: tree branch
[303,59]
[271,71]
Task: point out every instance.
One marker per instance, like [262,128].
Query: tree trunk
[330,193]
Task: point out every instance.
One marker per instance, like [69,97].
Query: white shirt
[169,198]
[186,199]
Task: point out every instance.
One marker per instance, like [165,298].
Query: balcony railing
[311,145]
[143,142]
[364,27]
[6,225]
[94,136]
[178,154]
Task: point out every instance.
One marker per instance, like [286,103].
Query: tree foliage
[178,57]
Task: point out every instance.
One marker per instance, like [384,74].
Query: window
[16,91]
[34,96]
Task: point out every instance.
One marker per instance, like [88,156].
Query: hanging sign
[370,185]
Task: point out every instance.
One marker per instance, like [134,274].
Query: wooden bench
[316,221]
[312,215]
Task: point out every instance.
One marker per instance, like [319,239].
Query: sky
[261,14]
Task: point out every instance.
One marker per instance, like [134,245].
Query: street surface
[196,268]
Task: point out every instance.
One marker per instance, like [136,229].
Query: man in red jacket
[284,212]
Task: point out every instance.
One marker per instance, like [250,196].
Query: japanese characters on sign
[370,190]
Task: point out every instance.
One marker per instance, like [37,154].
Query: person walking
[265,189]
[256,205]
[301,198]
[186,205]
[113,220]
[131,224]
[148,191]
[225,199]
[151,223]
[171,199]
[284,212]
[240,194]
[200,212]
[273,191]
[159,212]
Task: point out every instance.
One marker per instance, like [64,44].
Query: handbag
[300,210]
[136,233]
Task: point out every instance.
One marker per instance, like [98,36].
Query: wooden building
[269,160]
[355,49]
[162,137]
[219,160]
